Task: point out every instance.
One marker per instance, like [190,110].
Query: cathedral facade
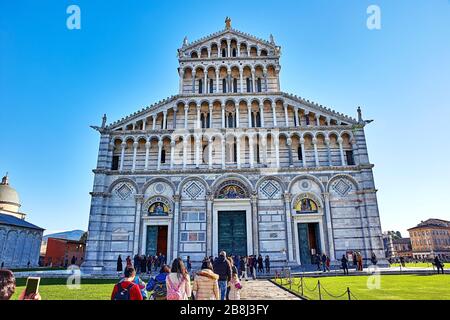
[233,163]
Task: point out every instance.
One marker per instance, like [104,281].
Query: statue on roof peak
[228,23]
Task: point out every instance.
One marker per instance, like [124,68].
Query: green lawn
[392,287]
[420,265]
[56,289]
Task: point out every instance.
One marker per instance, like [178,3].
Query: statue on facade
[104,121]
[185,41]
[227,23]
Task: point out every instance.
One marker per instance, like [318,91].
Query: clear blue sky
[55,82]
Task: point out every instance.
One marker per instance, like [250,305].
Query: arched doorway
[232,219]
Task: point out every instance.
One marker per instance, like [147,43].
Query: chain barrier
[319,288]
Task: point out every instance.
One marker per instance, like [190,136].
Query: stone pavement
[264,290]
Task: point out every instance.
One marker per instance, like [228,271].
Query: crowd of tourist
[217,279]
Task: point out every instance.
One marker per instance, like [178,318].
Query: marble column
[122,155]
[144,123]
[250,150]
[289,236]
[186,114]
[147,154]
[160,145]
[255,232]
[223,116]
[237,116]
[205,85]
[326,196]
[210,148]
[223,152]
[184,152]
[217,81]
[297,123]
[211,109]
[181,81]
[263,149]
[328,142]
[193,81]
[209,223]
[266,81]
[175,110]
[316,153]
[261,111]
[198,123]
[253,81]
[154,121]
[249,112]
[286,118]
[229,49]
[241,80]
[176,224]
[172,153]
[238,152]
[318,119]
[341,151]
[164,120]
[197,152]
[289,146]
[274,114]
[137,222]
[302,144]
[277,152]
[135,146]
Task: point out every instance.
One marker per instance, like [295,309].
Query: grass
[56,289]
[392,287]
[37,269]
[420,265]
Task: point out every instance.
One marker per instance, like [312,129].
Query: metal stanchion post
[348,293]
[318,286]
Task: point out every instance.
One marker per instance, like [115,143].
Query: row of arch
[274,108]
[228,48]
[252,188]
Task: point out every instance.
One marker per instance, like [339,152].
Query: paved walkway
[264,290]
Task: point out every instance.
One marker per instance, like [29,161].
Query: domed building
[20,240]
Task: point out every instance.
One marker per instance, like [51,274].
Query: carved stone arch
[123,181]
[308,177]
[271,187]
[306,133]
[342,184]
[193,188]
[155,201]
[232,176]
[155,180]
[308,195]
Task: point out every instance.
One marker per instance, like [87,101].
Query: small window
[115,163]
[259,85]
[235,85]
[234,52]
[163,156]
[224,85]
[224,53]
[200,86]
[211,85]
[350,158]
[300,153]
[249,88]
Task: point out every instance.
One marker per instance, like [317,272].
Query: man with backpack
[223,269]
[127,289]
[157,285]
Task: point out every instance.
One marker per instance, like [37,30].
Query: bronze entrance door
[232,232]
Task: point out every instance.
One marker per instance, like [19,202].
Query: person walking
[260,264]
[243,268]
[129,262]
[360,261]
[235,287]
[373,259]
[178,282]
[254,266]
[267,264]
[317,260]
[344,264]
[143,262]
[233,270]
[136,263]
[206,285]
[126,289]
[157,285]
[119,265]
[222,268]
[328,263]
[355,261]
[439,265]
[188,264]
[324,262]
